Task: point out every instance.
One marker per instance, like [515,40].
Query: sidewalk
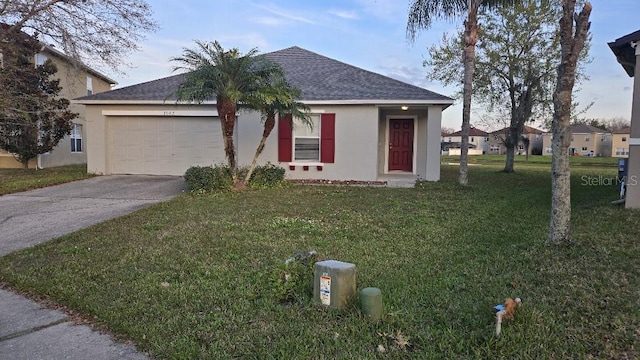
[29,332]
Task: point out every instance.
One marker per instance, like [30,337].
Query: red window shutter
[285,144]
[327,137]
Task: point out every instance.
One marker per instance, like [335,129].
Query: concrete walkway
[29,331]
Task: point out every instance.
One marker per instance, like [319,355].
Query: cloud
[407,74]
[268,21]
[349,15]
[385,9]
[275,10]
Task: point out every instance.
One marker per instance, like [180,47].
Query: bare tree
[572,42]
[96,32]
[444,131]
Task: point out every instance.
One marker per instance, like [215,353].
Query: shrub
[206,178]
[267,176]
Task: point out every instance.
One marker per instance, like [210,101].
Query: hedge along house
[627,51]
[367,127]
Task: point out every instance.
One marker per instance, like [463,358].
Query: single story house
[627,53]
[367,127]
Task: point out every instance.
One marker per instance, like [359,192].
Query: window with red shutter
[307,144]
[327,138]
[284,139]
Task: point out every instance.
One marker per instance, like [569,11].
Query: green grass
[16,180]
[443,256]
[534,160]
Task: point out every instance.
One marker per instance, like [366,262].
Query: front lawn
[186,279]
[533,161]
[17,180]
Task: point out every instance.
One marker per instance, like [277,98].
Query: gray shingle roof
[585,129]
[320,78]
[472,132]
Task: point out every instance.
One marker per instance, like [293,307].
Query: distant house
[620,142]
[477,142]
[586,140]
[534,136]
[367,127]
[75,80]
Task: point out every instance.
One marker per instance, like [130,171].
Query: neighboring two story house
[76,81]
[586,140]
[496,141]
[620,142]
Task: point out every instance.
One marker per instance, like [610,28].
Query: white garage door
[162,145]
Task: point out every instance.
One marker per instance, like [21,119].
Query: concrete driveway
[35,216]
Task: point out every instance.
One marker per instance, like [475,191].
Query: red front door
[401,144]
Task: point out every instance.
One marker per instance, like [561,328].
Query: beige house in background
[496,141]
[586,140]
[75,81]
[620,142]
[477,142]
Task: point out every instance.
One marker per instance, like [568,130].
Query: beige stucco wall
[596,144]
[73,81]
[356,145]
[360,140]
[620,141]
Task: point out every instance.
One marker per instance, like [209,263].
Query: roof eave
[445,102]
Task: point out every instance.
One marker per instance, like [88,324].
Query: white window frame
[76,138]
[40,59]
[309,133]
[89,85]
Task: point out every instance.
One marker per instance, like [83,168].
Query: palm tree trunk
[560,224]
[227,114]
[269,124]
[470,36]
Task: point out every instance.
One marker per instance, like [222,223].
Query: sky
[370,34]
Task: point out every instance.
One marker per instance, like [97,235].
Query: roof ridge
[295,47]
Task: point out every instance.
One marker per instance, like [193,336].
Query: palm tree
[275,98]
[228,75]
[421,15]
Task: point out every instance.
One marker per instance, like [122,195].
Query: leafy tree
[275,97]
[574,30]
[37,119]
[514,74]
[237,81]
[421,15]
